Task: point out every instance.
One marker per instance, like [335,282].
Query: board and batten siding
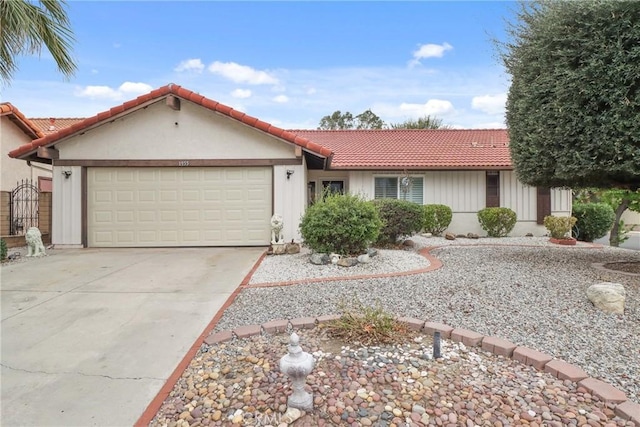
[462,191]
[518,197]
[67,207]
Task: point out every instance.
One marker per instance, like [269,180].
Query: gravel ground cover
[532,295]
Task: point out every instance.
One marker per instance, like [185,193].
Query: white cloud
[311,91]
[97,92]
[242,73]
[281,99]
[241,93]
[430,51]
[195,65]
[432,107]
[94,71]
[490,104]
[125,90]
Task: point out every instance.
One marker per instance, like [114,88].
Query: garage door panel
[179,206]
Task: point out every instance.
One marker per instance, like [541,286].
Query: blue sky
[287,63]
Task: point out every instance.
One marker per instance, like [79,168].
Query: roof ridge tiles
[160,92]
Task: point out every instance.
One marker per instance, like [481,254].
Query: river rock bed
[238,383]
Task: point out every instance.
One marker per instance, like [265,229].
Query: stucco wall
[158,132]
[14,170]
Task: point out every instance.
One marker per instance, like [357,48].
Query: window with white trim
[404,188]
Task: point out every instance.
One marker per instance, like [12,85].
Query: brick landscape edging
[434,264]
[624,408]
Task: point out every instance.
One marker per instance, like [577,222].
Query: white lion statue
[35,247]
[276,229]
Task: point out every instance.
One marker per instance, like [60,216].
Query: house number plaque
[183,162]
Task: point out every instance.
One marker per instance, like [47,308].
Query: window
[333,186]
[404,188]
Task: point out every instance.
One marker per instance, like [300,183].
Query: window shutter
[543,203]
[493,189]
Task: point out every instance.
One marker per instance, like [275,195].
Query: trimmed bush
[594,220]
[399,218]
[436,218]
[3,250]
[340,223]
[497,222]
[559,226]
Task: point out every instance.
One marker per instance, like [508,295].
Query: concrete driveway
[89,336]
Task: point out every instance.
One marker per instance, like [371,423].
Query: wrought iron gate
[23,208]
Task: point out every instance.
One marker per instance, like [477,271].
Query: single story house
[174,168]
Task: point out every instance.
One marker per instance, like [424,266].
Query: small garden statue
[297,365]
[35,247]
[276,229]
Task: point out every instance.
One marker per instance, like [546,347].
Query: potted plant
[560,229]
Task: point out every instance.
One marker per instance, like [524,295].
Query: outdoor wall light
[66,174]
[289,173]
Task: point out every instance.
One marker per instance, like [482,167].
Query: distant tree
[425,122]
[26,27]
[338,120]
[573,107]
[368,120]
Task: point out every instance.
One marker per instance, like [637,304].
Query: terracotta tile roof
[29,128]
[170,89]
[414,149]
[54,124]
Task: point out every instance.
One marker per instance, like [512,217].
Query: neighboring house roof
[7,109]
[54,124]
[170,89]
[397,149]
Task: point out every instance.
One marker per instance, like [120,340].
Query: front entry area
[178,206]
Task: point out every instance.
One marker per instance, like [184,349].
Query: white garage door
[147,207]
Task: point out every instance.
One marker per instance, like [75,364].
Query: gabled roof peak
[179,91]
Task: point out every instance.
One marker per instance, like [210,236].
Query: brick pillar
[4,212]
[44,212]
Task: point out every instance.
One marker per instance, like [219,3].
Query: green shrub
[497,222]
[559,226]
[3,250]
[594,220]
[340,223]
[436,218]
[399,218]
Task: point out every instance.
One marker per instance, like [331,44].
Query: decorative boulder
[608,297]
[320,259]
[409,243]
[450,236]
[528,235]
[293,248]
[334,258]
[347,262]
[279,248]
[372,252]
[365,259]
[472,236]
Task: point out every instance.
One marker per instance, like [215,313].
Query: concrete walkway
[90,336]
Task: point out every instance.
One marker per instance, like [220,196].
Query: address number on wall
[183,162]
